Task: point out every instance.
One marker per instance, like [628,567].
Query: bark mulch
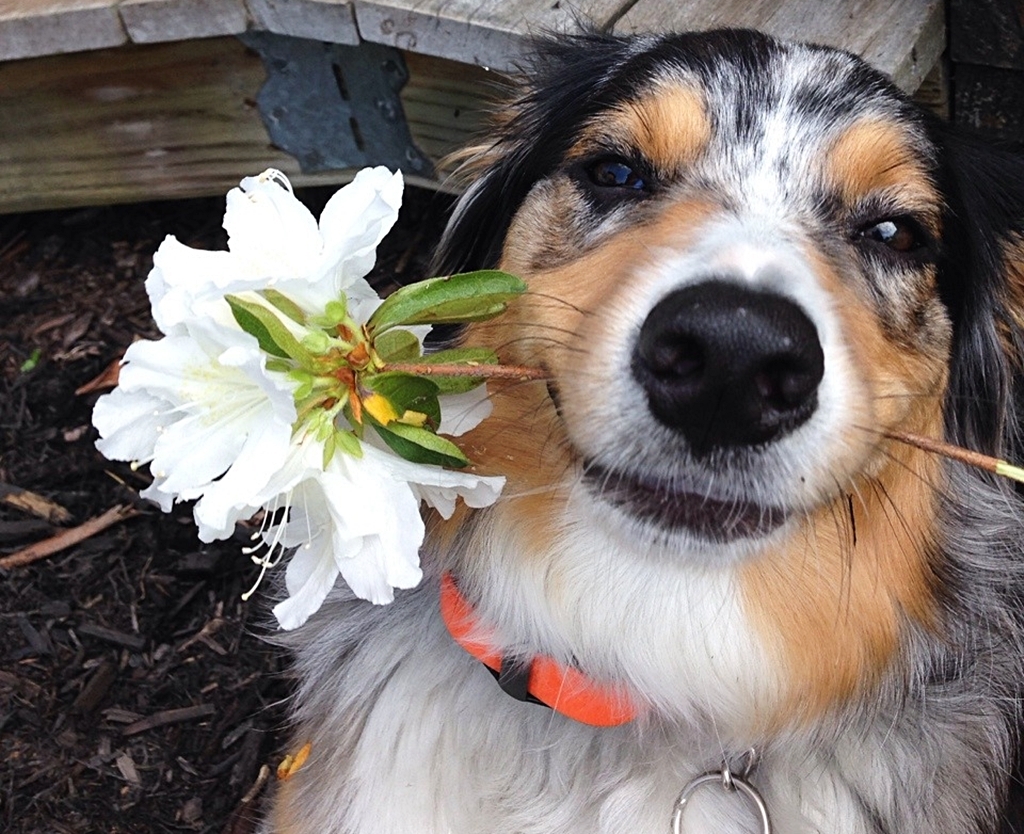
[136,693]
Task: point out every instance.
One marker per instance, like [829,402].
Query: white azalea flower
[274,242]
[253,400]
[202,409]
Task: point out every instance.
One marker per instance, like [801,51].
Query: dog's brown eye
[614,173]
[896,233]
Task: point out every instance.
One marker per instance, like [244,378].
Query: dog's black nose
[729,366]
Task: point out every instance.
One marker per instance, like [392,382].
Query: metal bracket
[333,106]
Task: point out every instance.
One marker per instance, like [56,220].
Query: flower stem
[484,371]
[971,458]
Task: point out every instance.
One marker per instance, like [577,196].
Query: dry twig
[971,458]
[67,538]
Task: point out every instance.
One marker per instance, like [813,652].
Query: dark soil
[136,693]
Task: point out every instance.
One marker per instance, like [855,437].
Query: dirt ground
[136,693]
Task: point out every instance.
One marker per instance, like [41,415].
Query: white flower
[276,243]
[221,422]
[357,518]
[202,409]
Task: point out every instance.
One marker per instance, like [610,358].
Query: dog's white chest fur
[438,748]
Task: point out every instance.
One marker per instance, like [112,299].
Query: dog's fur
[804,585]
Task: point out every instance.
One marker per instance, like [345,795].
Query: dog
[718,593]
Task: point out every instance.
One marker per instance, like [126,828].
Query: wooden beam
[323,20]
[156,121]
[159,21]
[29,27]
[903,38]
[487,33]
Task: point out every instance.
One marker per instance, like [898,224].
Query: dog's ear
[565,84]
[981,279]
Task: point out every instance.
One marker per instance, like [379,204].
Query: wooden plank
[488,33]
[990,100]
[29,27]
[322,20]
[903,38]
[133,123]
[145,122]
[157,21]
[987,32]
[446,104]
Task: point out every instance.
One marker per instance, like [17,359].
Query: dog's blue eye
[896,233]
[614,173]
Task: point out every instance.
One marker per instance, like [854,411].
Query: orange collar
[562,688]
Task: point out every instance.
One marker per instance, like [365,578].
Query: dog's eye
[899,234]
[615,173]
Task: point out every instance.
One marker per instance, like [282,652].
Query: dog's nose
[726,365]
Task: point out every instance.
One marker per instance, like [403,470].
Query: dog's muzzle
[726,365]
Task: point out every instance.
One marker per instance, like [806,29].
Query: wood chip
[170,716]
[106,380]
[95,690]
[110,635]
[126,765]
[121,716]
[37,505]
[69,538]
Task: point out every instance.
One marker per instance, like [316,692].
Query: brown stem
[928,444]
[482,371]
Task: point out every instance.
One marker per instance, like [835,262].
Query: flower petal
[186,283]
[129,424]
[462,412]
[310,575]
[269,230]
[356,219]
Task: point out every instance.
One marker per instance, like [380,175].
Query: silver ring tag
[727,782]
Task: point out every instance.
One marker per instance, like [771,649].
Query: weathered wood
[488,33]
[990,100]
[30,27]
[158,21]
[987,48]
[178,120]
[903,38]
[987,32]
[934,92]
[133,123]
[323,20]
[446,103]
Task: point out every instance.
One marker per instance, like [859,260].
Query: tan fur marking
[833,609]
[523,441]
[876,156]
[668,125]
[284,817]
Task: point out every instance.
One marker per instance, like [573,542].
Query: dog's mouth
[674,508]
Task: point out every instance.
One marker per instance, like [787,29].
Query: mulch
[137,693]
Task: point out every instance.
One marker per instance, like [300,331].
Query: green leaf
[283,303]
[348,443]
[459,356]
[421,446]
[397,346]
[407,393]
[330,447]
[30,363]
[270,332]
[471,296]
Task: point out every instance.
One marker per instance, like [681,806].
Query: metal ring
[742,785]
